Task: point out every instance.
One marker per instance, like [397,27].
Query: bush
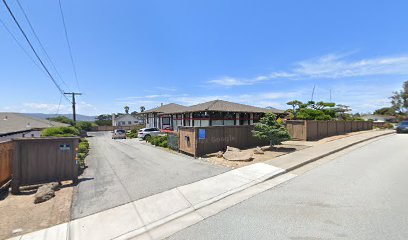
[83,150]
[388,126]
[60,132]
[84,126]
[160,141]
[133,133]
[83,147]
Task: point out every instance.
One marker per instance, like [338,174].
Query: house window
[129,122]
[32,135]
[166,121]
[23,135]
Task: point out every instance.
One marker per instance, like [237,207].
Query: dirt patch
[268,154]
[23,216]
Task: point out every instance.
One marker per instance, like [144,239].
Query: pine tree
[270,129]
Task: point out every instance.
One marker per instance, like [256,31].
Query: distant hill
[80,117]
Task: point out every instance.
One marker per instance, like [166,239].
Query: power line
[40,43]
[32,48]
[21,46]
[69,45]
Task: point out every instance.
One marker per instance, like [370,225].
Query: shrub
[60,132]
[163,144]
[158,141]
[83,147]
[84,126]
[388,126]
[133,133]
[270,129]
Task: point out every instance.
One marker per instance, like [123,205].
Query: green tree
[295,107]
[62,119]
[142,109]
[270,129]
[399,101]
[387,111]
[83,126]
[104,120]
[126,109]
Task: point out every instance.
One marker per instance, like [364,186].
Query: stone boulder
[232,149]
[258,150]
[45,192]
[238,156]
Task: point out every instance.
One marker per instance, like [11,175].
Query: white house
[126,120]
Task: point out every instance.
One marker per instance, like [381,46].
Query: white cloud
[229,81]
[331,66]
[51,108]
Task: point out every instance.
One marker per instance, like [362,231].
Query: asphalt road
[360,195]
[120,171]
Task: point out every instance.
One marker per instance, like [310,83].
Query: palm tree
[126,109]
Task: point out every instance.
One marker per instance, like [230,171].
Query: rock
[232,149]
[45,192]
[266,148]
[237,156]
[258,150]
[54,186]
[217,154]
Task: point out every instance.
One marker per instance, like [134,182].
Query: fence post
[15,182]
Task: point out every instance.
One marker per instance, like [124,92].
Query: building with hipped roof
[212,113]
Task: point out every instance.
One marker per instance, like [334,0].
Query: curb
[334,151]
[227,194]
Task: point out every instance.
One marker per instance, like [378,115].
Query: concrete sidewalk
[139,217]
[159,215]
[297,159]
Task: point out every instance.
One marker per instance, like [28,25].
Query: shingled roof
[225,106]
[167,108]
[16,122]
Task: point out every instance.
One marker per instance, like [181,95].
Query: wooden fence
[309,130]
[6,161]
[41,160]
[199,141]
[111,128]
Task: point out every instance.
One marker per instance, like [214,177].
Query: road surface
[121,171]
[360,195]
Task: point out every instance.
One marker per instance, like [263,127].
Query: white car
[148,132]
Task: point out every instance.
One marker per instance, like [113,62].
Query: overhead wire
[35,52]
[21,46]
[69,45]
[40,43]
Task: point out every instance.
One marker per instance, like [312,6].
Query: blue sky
[262,53]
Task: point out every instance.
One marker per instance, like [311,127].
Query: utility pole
[73,104]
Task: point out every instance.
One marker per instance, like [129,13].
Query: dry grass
[21,215]
[269,154]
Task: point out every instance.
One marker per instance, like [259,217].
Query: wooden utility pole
[73,104]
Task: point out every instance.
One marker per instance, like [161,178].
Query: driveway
[121,171]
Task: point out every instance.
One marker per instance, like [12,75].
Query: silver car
[119,134]
[148,132]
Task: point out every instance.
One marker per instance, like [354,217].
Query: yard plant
[160,141]
[60,132]
[271,129]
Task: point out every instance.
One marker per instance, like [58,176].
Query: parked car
[402,127]
[119,134]
[148,132]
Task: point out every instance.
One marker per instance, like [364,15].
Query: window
[32,135]
[166,121]
[135,121]
[129,122]
[23,134]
